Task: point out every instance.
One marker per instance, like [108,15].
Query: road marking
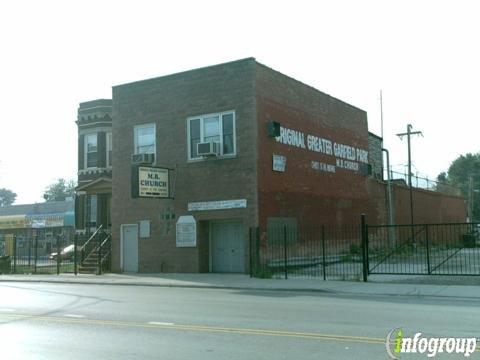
[204,328]
[74,316]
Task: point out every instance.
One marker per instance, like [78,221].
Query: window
[212,128]
[144,139]
[109,149]
[90,150]
[92,210]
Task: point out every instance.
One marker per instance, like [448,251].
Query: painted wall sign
[45,220]
[150,182]
[217,205]
[346,156]
[12,221]
[320,166]
[186,235]
[279,163]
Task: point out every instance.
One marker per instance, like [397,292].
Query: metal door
[227,247]
[130,248]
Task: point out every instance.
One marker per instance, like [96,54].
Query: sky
[423,55]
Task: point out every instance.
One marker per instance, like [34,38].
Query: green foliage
[60,190]
[458,175]
[7,197]
[262,272]
[355,249]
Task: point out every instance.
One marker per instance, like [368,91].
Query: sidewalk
[244,282]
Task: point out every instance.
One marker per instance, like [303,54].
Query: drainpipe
[391,230]
[389,190]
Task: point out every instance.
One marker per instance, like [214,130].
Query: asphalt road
[59,321]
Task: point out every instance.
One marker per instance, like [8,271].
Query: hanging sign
[150,182]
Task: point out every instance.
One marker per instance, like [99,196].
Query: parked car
[67,253]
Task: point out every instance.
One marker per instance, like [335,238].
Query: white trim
[85,150]
[97,170]
[96,129]
[108,135]
[201,119]
[107,127]
[121,242]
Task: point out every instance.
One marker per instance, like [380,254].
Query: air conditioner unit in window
[139,159]
[208,149]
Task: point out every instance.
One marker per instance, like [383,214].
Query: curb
[250,288]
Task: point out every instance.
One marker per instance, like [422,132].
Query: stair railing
[104,253]
[89,247]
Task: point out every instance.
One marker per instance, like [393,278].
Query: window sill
[94,170]
[213,158]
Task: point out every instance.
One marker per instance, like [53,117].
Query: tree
[59,190]
[459,173]
[7,197]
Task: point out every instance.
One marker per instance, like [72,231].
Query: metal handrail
[101,256]
[93,235]
[108,238]
[88,241]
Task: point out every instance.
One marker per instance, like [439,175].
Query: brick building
[274,151]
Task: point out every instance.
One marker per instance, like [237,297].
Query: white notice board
[186,235]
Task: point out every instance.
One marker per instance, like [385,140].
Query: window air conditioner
[208,149]
[138,159]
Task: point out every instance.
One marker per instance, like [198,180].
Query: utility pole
[381,114]
[409,133]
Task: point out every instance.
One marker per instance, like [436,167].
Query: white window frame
[108,148]
[201,118]
[85,151]
[143,126]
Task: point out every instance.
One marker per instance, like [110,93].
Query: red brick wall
[429,207]
[312,196]
[316,197]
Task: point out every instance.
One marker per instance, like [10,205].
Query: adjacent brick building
[284,153]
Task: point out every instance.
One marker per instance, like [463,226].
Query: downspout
[389,190]
[391,229]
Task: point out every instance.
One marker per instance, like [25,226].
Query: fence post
[35,253]
[29,252]
[324,258]
[100,256]
[75,256]
[257,249]
[428,249]
[364,247]
[59,254]
[250,242]
[14,253]
[285,250]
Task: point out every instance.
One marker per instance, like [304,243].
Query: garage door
[227,247]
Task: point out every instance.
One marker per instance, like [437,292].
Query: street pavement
[433,286]
[48,320]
